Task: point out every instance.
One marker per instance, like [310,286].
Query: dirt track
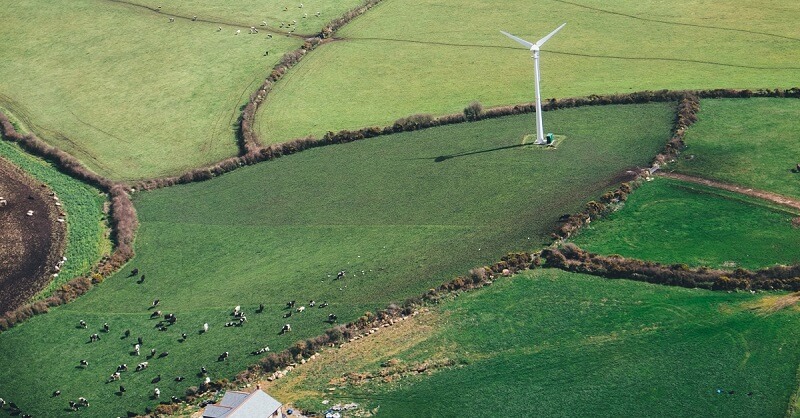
[29,245]
[772,197]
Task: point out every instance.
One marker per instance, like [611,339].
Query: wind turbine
[535,51]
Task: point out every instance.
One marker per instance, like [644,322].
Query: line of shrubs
[249,142]
[123,223]
[255,154]
[685,116]
[571,258]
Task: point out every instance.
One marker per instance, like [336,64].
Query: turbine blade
[541,42]
[520,40]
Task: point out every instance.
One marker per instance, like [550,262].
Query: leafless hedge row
[571,258]
[249,142]
[123,222]
[685,116]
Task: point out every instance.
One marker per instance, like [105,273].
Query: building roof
[237,404]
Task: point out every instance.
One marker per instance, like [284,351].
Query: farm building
[237,404]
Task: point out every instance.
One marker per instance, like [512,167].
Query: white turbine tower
[535,50]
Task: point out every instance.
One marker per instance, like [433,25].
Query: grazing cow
[260,308]
[311,303]
[290,304]
[236,310]
[242,319]
[84,363]
[205,327]
[323,304]
[134,272]
[141,279]
[155,314]
[171,20]
[122,368]
[121,389]
[238,31]
[82,401]
[141,366]
[164,354]
[156,302]
[2,403]
[174,399]
[287,314]
[114,376]
[183,336]
[260,351]
[156,393]
[230,324]
[332,318]
[57,393]
[152,352]
[82,324]
[219,29]
[73,406]
[179,379]
[194,18]
[156,379]
[203,370]
[301,309]
[127,333]
[93,338]
[105,327]
[223,356]
[139,340]
[286,328]
[136,349]
[340,275]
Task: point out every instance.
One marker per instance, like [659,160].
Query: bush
[474,111]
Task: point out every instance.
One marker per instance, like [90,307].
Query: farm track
[761,194]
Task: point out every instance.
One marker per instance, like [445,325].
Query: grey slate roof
[237,404]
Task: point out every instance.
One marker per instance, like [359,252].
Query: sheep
[286,328]
[156,393]
[219,29]
[82,324]
[238,31]
[305,15]
[301,309]
[301,5]
[205,327]
[84,363]
[317,14]
[263,23]
[194,18]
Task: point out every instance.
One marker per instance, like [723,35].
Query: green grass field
[87,231]
[400,214]
[129,94]
[436,57]
[752,143]
[552,343]
[670,221]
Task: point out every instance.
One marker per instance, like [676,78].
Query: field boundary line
[747,191]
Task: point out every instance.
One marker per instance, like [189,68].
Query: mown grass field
[400,214]
[129,94]
[670,221]
[552,343]
[87,232]
[404,57]
[753,143]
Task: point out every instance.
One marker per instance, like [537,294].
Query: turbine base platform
[530,141]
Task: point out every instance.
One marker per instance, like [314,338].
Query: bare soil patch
[30,246]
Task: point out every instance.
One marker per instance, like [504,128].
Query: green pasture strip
[409,57]
[255,12]
[552,343]
[400,214]
[753,143]
[671,221]
[87,231]
[129,94]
